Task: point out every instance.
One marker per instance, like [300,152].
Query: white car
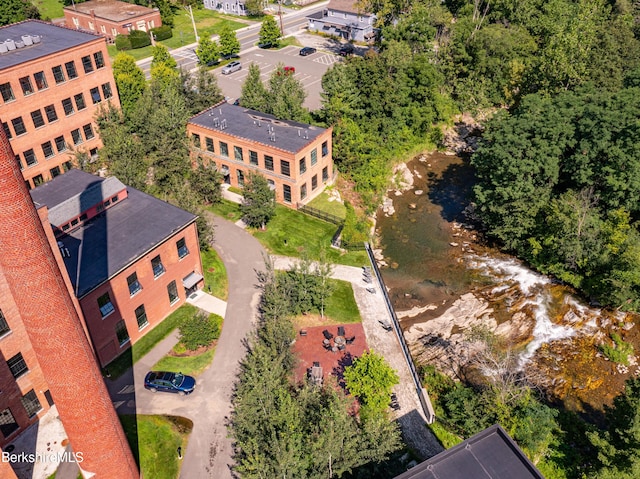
[231,67]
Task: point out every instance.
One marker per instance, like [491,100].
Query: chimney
[56,331]
[92,12]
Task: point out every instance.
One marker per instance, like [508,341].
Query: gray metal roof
[53,39]
[490,454]
[117,237]
[253,125]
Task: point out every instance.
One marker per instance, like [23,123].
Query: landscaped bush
[139,39]
[123,42]
[200,330]
[162,33]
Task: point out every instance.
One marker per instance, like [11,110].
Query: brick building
[46,356]
[294,157]
[53,80]
[131,259]
[111,17]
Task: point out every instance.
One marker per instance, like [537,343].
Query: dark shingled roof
[114,239]
[490,454]
[53,39]
[253,125]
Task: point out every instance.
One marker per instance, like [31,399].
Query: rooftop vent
[11,45]
[3,48]
[19,44]
[27,40]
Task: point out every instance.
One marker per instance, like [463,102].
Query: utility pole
[280,15]
[193,22]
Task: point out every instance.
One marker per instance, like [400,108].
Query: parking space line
[128,389]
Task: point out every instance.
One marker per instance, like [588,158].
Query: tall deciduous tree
[208,50]
[130,81]
[259,201]
[12,11]
[255,7]
[161,55]
[286,96]
[229,42]
[269,31]
[200,90]
[254,94]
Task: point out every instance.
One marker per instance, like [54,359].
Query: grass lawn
[341,305]
[123,362]
[227,209]
[154,441]
[446,438]
[292,233]
[191,365]
[49,8]
[215,274]
[321,202]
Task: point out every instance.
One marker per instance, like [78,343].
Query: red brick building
[131,259]
[111,17]
[53,80]
[294,157]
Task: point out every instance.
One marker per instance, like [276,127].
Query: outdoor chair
[350,340]
[327,334]
[340,330]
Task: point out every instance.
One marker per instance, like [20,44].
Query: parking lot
[309,70]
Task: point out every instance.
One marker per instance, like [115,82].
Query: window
[37,118]
[61,145]
[7,92]
[67,106]
[325,174]
[286,193]
[303,165]
[30,157]
[38,180]
[31,403]
[181,245]
[18,126]
[156,265]
[67,165]
[303,191]
[74,222]
[224,149]
[79,99]
[70,67]
[76,136]
[8,424]
[27,87]
[121,333]
[240,178]
[106,90]
[103,29]
[141,316]
[55,171]
[58,74]
[314,182]
[41,80]
[196,140]
[105,305]
[17,365]
[134,284]
[253,158]
[93,153]
[7,130]
[268,162]
[173,292]
[99,59]
[325,148]
[50,111]
[237,153]
[314,156]
[284,168]
[88,131]
[209,144]
[87,64]
[4,327]
[95,95]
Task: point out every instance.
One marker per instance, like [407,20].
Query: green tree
[205,181]
[12,11]
[208,51]
[229,42]
[371,380]
[130,81]
[255,7]
[199,330]
[269,31]
[254,94]
[259,201]
[200,90]
[161,55]
[286,96]
[166,12]
[163,74]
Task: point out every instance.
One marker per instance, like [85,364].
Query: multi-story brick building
[294,157]
[111,17]
[131,259]
[53,80]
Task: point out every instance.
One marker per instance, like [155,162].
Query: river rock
[387,207]
[403,177]
[415,311]
[418,192]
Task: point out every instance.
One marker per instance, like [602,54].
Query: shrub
[619,352]
[123,42]
[200,330]
[139,39]
[162,33]
[356,229]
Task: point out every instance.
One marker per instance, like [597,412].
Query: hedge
[123,43]
[162,33]
[139,39]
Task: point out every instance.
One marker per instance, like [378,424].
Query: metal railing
[323,215]
[423,395]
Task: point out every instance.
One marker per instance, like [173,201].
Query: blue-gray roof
[114,239]
[53,39]
[252,125]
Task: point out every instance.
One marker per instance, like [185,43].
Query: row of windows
[60,75]
[55,171]
[286,189]
[79,220]
[238,155]
[31,404]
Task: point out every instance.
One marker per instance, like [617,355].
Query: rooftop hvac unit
[19,44]
[27,40]
[3,48]
[11,45]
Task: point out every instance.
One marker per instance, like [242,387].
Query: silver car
[231,67]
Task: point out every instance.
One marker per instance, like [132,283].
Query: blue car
[179,383]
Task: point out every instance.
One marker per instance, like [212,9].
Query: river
[442,279]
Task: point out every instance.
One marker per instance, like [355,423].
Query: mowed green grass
[49,8]
[321,202]
[215,274]
[341,305]
[154,441]
[190,365]
[226,209]
[292,233]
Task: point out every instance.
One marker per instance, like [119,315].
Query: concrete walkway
[208,303]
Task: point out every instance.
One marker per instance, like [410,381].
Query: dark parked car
[307,51]
[212,63]
[169,382]
[346,49]
[229,56]
[266,45]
